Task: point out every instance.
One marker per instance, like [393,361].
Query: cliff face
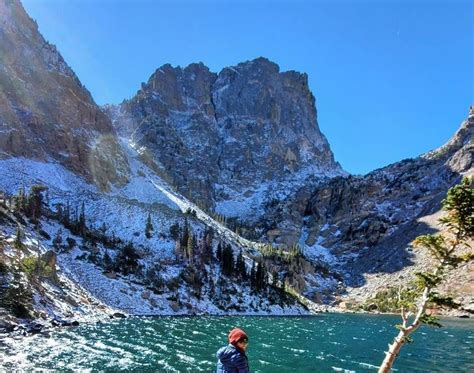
[45,112]
[363,226]
[220,137]
[381,209]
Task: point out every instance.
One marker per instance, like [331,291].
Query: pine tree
[185,236]
[149,227]
[206,246]
[259,275]
[127,260]
[175,231]
[240,266]
[20,200]
[227,260]
[190,247]
[17,298]
[107,261]
[219,252]
[274,279]
[66,218]
[18,238]
[81,221]
[443,247]
[35,201]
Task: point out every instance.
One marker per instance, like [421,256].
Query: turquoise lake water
[322,343]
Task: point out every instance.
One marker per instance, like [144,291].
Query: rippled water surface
[324,343]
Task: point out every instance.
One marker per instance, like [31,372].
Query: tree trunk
[392,353]
[394,348]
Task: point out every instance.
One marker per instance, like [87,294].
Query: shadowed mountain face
[218,136]
[368,222]
[45,112]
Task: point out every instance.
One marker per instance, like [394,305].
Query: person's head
[239,339]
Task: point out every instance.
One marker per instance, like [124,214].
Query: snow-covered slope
[123,212]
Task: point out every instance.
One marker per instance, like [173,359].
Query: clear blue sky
[392,79]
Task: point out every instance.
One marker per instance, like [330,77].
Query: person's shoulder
[238,357]
[226,352]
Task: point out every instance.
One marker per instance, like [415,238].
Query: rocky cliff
[227,140]
[45,112]
[362,226]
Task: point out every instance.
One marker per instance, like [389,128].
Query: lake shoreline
[21,328]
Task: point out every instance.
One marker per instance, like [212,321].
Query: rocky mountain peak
[458,152]
[45,112]
[219,136]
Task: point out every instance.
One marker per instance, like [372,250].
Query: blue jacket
[231,360]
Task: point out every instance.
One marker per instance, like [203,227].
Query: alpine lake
[327,342]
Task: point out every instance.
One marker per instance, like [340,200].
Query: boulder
[119,315]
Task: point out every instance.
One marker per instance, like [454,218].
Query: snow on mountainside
[123,212]
[234,141]
[361,227]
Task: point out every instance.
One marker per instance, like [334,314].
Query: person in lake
[232,358]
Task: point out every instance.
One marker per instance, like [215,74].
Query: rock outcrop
[45,112]
[223,137]
[366,223]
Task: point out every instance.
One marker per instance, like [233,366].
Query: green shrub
[34,267]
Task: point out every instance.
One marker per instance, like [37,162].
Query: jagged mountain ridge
[45,111]
[221,137]
[365,224]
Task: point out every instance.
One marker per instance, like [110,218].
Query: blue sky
[392,79]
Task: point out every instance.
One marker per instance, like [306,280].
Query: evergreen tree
[35,201]
[227,260]
[219,252]
[81,221]
[260,276]
[17,297]
[443,247]
[70,243]
[67,215]
[59,211]
[206,246]
[18,238]
[190,246]
[175,231]
[20,200]
[153,277]
[149,227]
[107,261]
[274,279]
[240,266]
[127,260]
[185,236]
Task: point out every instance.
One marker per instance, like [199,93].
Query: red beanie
[236,335]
